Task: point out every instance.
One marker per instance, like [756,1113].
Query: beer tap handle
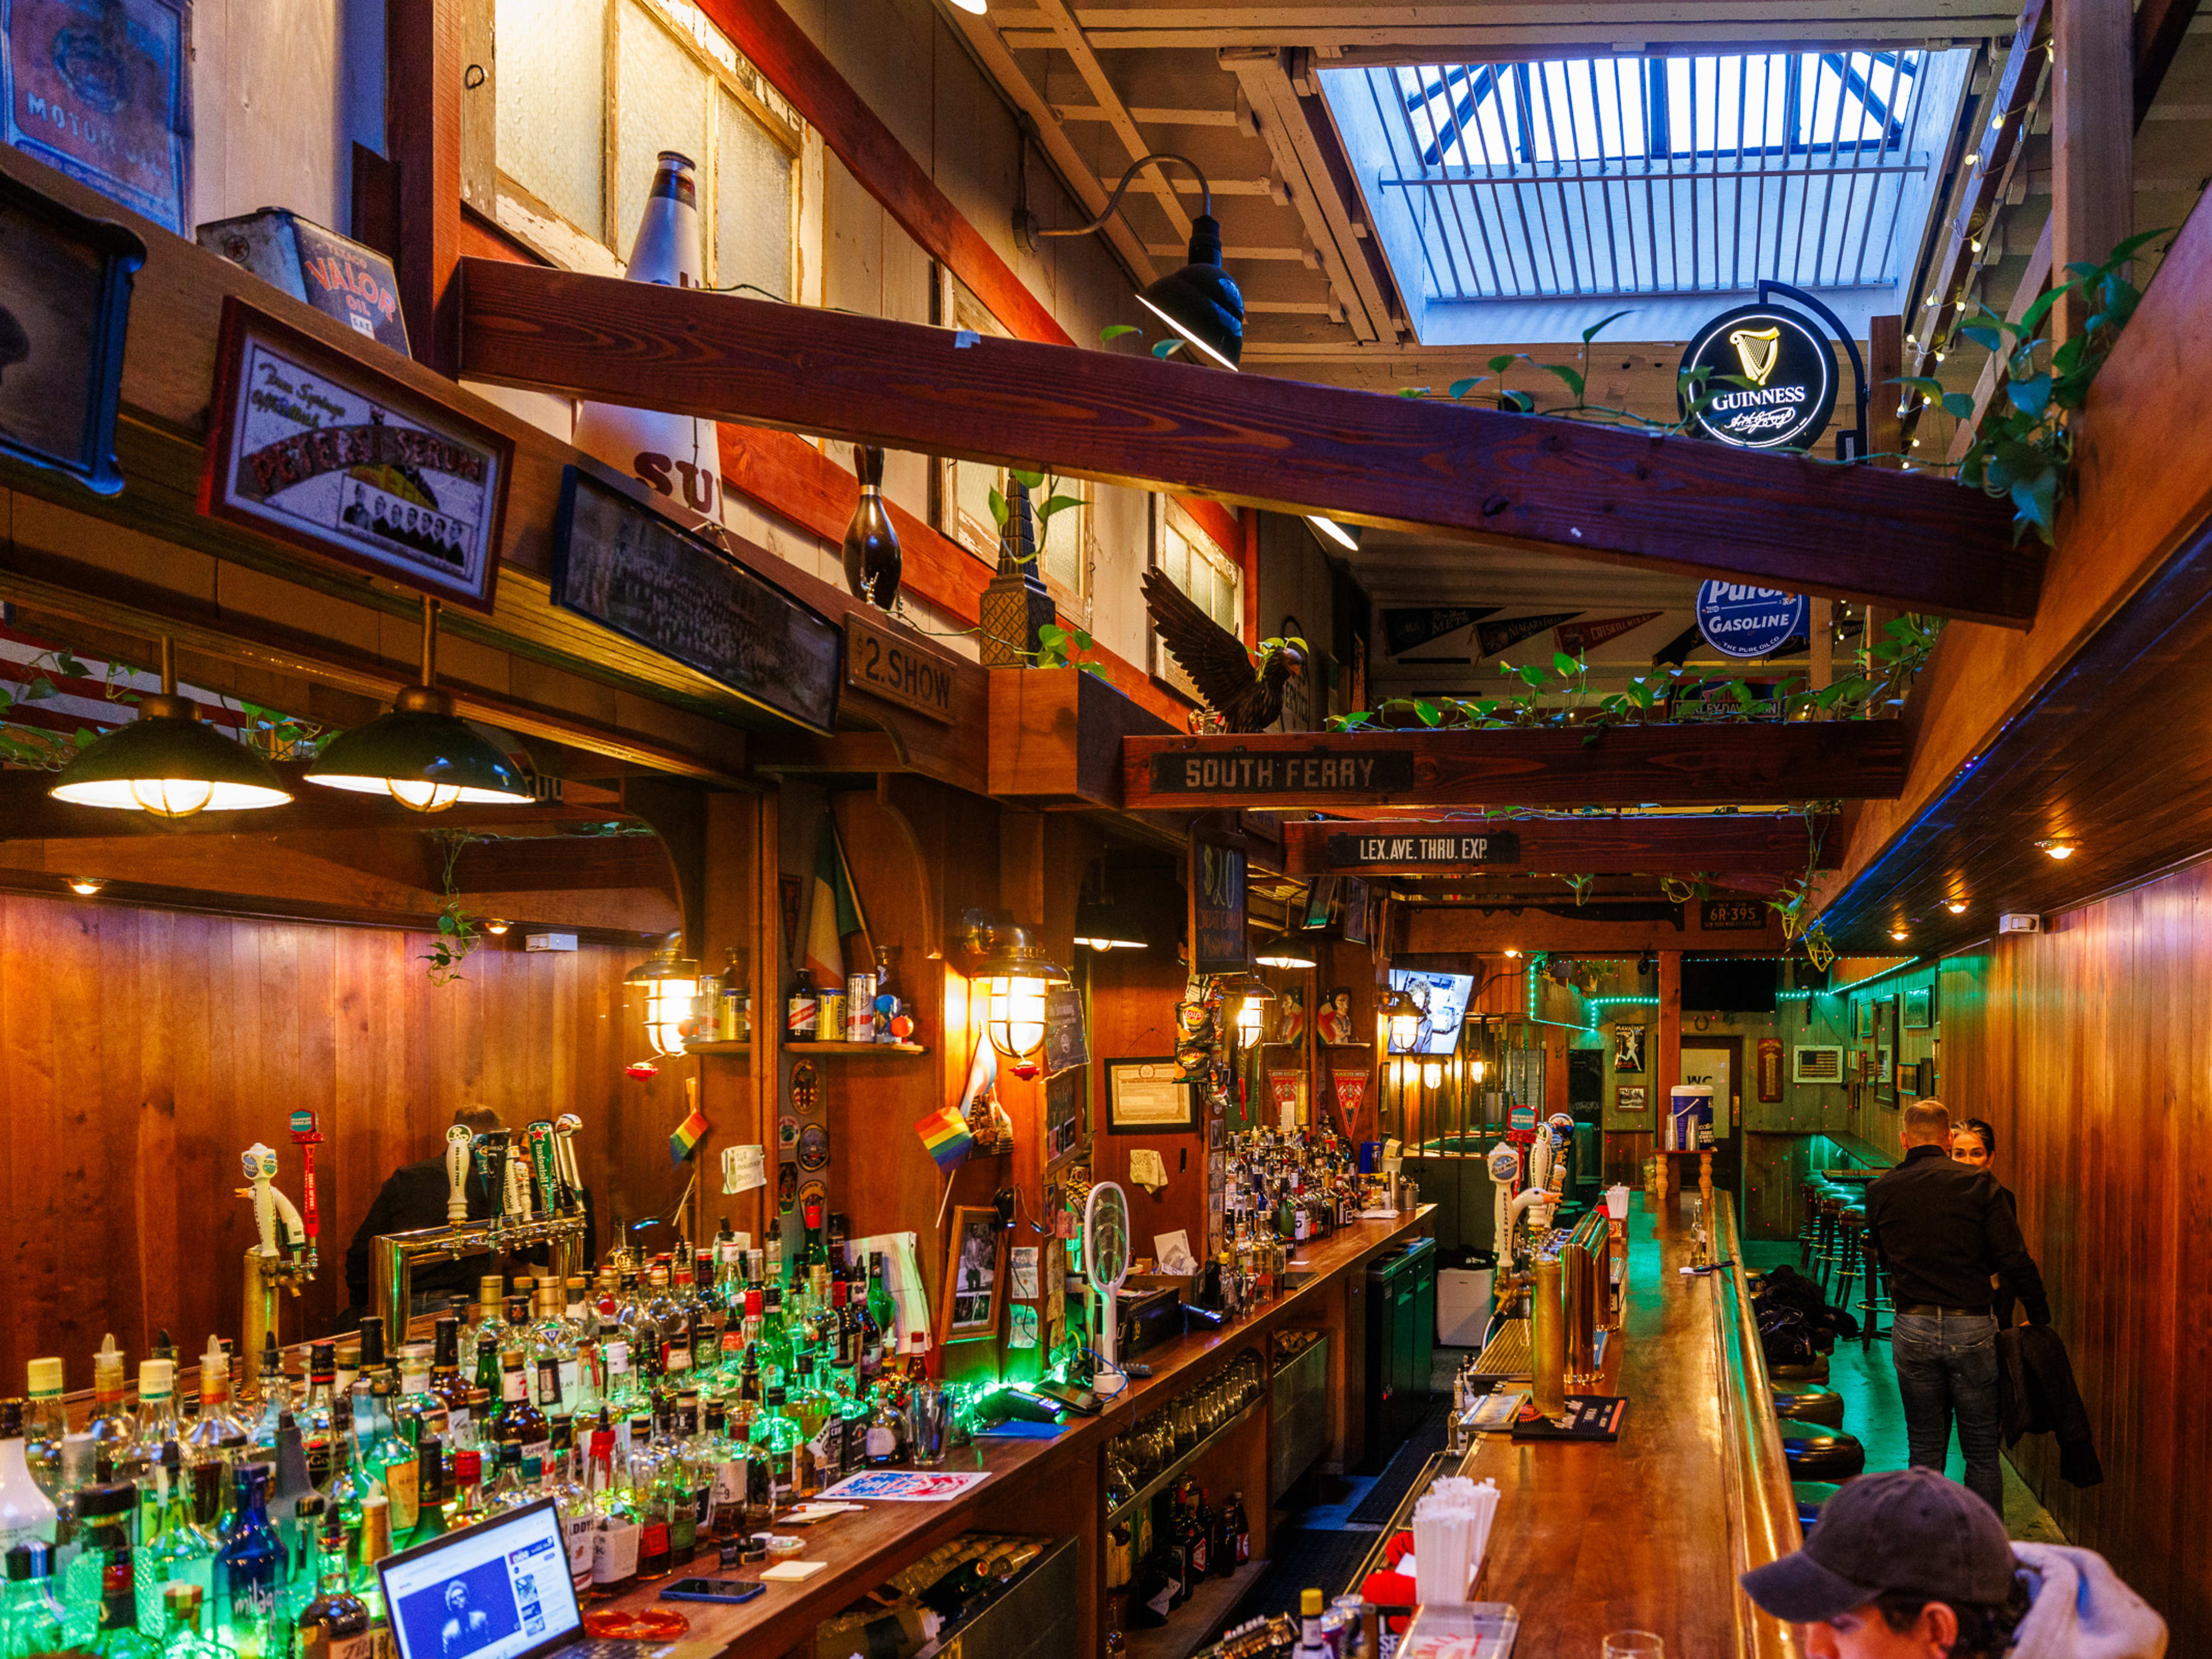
[564,1153]
[459,1143]
[296,1231]
[518,1188]
[260,1166]
[491,1148]
[540,1142]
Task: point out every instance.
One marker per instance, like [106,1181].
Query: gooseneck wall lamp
[1199,302]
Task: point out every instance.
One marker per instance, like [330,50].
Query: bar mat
[1507,1353]
[1404,1465]
[1590,1417]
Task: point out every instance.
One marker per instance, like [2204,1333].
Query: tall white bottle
[674,455]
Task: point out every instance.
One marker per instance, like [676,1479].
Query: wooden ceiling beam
[1518,766]
[1912,542]
[1670,846]
[1068,36]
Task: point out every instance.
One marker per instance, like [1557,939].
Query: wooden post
[1665,1061]
[1885,362]
[424,50]
[2092,140]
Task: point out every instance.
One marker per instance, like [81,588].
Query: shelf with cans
[691,1013]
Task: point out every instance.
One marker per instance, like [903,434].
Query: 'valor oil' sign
[1771,381]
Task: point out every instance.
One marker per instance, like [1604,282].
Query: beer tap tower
[271,1263]
[541,1202]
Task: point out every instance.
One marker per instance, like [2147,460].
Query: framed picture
[67,281]
[309,446]
[1885,1074]
[1063,1116]
[1920,1008]
[974,1275]
[1862,1020]
[1147,1097]
[1631,1100]
[648,578]
[1628,1049]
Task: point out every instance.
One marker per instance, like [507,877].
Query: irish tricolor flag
[833,914]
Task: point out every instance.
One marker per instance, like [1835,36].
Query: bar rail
[1762,1509]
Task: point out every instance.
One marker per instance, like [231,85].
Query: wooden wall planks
[142,1051]
[2083,1048]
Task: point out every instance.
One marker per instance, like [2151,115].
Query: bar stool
[1811,1495]
[1807,1403]
[1797,1375]
[1809,1190]
[1850,1251]
[1817,1452]
[1873,1304]
[1824,1241]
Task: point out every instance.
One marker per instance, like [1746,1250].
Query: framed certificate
[1148,1097]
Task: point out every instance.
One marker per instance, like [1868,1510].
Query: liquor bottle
[391,1461]
[215,1434]
[291,1487]
[1312,1644]
[880,1320]
[886,1441]
[775,1439]
[181,1637]
[26,1511]
[487,1330]
[30,1618]
[518,1420]
[249,1571]
[335,1623]
[722,1455]
[734,1015]
[507,1491]
[100,1594]
[174,1549]
[572,1502]
[446,1384]
[46,1423]
[111,1426]
[676,455]
[647,1462]
[1198,1528]
[775,1345]
[321,1415]
[803,1013]
[415,1409]
[1239,1531]
[614,1536]
[772,1261]
[430,1494]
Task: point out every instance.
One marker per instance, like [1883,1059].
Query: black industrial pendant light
[422,754]
[166,761]
[1198,302]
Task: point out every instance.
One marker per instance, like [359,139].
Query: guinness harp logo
[1756,348]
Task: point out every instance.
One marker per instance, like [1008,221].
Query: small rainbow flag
[945,1133]
[688,1135]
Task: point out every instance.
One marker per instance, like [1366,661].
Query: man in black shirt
[1941,1229]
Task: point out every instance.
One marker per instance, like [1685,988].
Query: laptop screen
[497,1590]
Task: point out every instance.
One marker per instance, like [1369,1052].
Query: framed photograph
[1063,1116]
[1862,1020]
[1631,1100]
[1628,1049]
[1920,1008]
[1885,1074]
[648,578]
[974,1275]
[1147,1097]
[67,283]
[309,446]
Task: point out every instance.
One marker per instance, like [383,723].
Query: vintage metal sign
[1320,769]
[899,671]
[1355,852]
[1733,916]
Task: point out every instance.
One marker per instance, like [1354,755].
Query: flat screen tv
[1727,985]
[1443,997]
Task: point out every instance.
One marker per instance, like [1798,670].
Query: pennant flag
[945,1133]
[1502,636]
[688,1133]
[1409,627]
[833,912]
[1580,639]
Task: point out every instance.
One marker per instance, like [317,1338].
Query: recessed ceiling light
[2057,849]
[1899,934]
[85,886]
[496,925]
[1957,907]
[1512,953]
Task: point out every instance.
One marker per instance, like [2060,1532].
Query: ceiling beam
[1068,36]
[1918,543]
[1150,116]
[1695,765]
[1642,845]
[2161,25]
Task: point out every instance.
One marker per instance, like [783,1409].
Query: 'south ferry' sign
[1320,770]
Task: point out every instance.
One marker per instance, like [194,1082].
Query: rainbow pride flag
[688,1133]
[945,1133]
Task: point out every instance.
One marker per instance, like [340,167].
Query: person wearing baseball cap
[1908,1565]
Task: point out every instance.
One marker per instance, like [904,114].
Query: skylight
[1626,176]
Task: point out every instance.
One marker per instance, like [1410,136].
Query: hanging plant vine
[457,935]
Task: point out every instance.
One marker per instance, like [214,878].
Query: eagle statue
[1246,699]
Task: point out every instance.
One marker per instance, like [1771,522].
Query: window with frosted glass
[552,103]
[660,103]
[754,190]
[1189,560]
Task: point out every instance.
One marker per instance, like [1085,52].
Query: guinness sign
[1772,382]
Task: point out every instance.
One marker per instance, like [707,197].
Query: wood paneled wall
[142,1051]
[2084,1047]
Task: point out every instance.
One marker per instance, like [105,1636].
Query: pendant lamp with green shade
[422,754]
[166,761]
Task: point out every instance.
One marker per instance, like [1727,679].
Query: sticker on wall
[813,1148]
[813,1192]
[786,1132]
[806,1089]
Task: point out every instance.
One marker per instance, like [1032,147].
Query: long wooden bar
[1056,1477]
[1650,1532]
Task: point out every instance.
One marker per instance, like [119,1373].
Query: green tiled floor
[1873,1412]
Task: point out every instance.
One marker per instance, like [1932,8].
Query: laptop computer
[499,1589]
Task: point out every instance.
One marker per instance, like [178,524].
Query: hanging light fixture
[1015,974]
[422,754]
[1433,1074]
[1099,924]
[670,985]
[1249,1018]
[1285,954]
[167,762]
[1404,1016]
[1198,302]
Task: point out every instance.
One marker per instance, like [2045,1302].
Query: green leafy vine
[458,933]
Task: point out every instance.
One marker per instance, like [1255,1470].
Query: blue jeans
[1947,1366]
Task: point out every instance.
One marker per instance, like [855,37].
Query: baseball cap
[1906,1530]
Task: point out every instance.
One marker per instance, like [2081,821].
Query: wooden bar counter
[1046,1487]
[1650,1533]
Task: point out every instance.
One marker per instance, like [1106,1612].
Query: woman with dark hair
[1974,1143]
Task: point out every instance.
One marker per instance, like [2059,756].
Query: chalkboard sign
[1063,1042]
[622,565]
[1217,892]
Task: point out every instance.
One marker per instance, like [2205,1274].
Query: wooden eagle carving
[1246,699]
